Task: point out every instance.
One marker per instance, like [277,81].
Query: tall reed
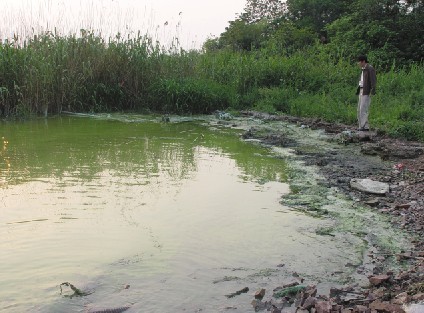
[52,73]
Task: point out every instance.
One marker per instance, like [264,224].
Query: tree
[257,10]
[286,38]
[316,14]
[211,44]
[241,35]
[411,25]
[386,30]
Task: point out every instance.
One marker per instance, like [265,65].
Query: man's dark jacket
[370,81]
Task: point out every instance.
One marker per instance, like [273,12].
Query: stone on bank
[369,186]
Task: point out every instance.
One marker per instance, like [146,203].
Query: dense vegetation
[295,57]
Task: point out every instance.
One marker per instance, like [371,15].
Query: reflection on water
[172,210]
[83,148]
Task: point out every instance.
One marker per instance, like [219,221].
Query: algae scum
[135,212]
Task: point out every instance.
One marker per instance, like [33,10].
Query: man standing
[366,88]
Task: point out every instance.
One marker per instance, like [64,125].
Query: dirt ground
[388,290]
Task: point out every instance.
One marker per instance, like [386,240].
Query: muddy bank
[367,157]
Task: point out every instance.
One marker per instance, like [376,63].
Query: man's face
[361,64]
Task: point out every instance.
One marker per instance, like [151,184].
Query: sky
[191,21]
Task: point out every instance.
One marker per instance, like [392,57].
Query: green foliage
[315,14]
[398,107]
[385,30]
[247,100]
[274,100]
[346,38]
[241,35]
[286,38]
[211,45]
[257,10]
[409,130]
[290,291]
[189,96]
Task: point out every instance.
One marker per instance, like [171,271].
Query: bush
[196,96]
[274,99]
[409,130]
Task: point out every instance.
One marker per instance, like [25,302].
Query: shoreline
[401,168]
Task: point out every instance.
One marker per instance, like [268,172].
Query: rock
[373,202]
[323,306]
[385,307]
[401,298]
[260,294]
[309,292]
[369,186]
[361,309]
[335,292]
[371,149]
[292,284]
[364,136]
[351,297]
[404,256]
[378,279]
[380,292]
[275,310]
[309,303]
[418,297]
[402,276]
[336,308]
[257,304]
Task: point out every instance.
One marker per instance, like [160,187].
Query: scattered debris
[221,115]
[110,310]
[260,294]
[237,293]
[76,292]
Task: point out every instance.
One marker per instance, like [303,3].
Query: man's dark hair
[363,58]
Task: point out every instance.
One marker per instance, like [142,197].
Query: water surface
[181,213]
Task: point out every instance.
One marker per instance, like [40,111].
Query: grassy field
[52,73]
